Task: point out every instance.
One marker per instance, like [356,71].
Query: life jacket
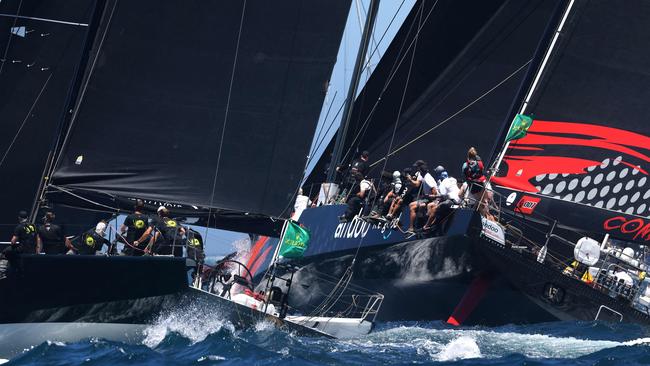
[473,170]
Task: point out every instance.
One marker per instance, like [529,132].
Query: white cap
[161,208]
[100,228]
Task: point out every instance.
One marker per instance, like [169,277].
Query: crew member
[93,240]
[51,238]
[360,191]
[406,196]
[424,181]
[358,165]
[195,246]
[168,235]
[449,193]
[479,189]
[136,231]
[25,238]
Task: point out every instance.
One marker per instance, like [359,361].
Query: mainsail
[465,69]
[206,103]
[586,157]
[41,48]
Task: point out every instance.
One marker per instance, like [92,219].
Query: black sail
[586,158]
[466,70]
[41,47]
[206,103]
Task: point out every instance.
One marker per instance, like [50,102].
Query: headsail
[586,157]
[209,104]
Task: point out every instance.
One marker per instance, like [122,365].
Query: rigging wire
[322,126]
[225,117]
[343,284]
[392,74]
[454,114]
[84,88]
[375,50]
[29,113]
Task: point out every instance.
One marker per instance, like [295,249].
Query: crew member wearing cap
[24,239]
[93,240]
[168,236]
[135,231]
[428,190]
[449,195]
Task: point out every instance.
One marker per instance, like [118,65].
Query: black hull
[565,297]
[422,279]
[41,288]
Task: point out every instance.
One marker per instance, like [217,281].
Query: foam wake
[455,344]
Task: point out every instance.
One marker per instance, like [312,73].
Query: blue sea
[174,340]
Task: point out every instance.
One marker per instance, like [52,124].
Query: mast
[530,77]
[352,90]
[64,121]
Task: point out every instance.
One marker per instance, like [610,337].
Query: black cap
[365,153]
[23,214]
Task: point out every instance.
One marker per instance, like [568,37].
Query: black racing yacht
[447,82]
[574,217]
[173,103]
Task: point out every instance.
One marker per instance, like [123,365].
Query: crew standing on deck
[93,240]
[25,238]
[51,238]
[168,235]
[136,231]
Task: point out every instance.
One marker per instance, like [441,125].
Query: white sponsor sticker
[493,231]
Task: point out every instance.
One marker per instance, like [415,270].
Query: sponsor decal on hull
[353,229]
[635,227]
[493,231]
[527,204]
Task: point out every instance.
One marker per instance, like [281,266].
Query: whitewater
[190,337]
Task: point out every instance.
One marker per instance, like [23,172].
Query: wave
[194,336]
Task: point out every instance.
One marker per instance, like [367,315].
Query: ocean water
[174,340]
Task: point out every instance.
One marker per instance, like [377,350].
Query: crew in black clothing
[136,231]
[195,246]
[24,239]
[51,238]
[93,240]
[358,165]
[168,235]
